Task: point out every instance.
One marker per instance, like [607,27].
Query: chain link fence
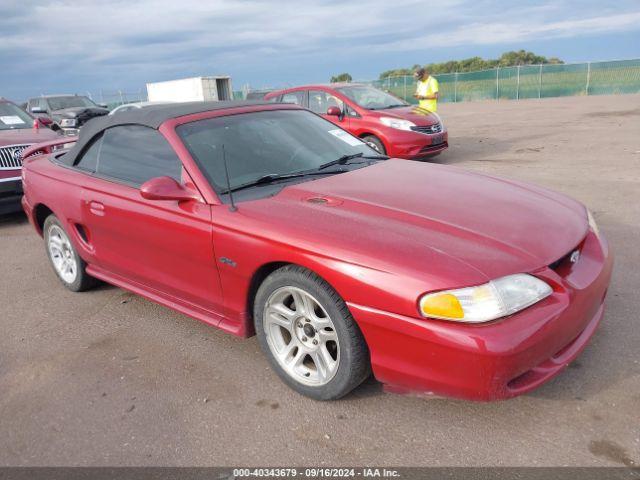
[527,81]
[509,83]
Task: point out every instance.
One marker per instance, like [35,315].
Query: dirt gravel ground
[108,378]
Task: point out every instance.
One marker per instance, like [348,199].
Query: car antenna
[233,207]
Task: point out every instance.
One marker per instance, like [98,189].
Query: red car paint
[12,140]
[389,233]
[397,143]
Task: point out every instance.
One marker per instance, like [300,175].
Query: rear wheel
[64,258]
[308,334]
[375,143]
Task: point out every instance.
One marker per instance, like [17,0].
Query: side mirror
[44,121]
[38,110]
[166,188]
[103,105]
[334,111]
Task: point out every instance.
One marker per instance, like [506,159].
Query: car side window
[320,101]
[294,97]
[135,154]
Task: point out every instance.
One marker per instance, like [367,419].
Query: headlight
[592,224]
[68,122]
[397,123]
[498,298]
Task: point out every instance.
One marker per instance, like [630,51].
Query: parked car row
[40,119]
[385,122]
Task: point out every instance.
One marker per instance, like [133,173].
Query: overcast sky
[80,46]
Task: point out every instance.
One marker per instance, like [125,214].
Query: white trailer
[196,89]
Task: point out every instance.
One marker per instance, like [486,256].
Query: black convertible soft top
[149,116]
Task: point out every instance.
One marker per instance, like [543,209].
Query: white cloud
[130,42]
[497,33]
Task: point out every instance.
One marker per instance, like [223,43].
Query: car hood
[420,117]
[26,136]
[402,215]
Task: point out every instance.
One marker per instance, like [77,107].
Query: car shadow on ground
[369,388]
[16,218]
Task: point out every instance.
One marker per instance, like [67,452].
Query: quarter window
[89,159]
[132,154]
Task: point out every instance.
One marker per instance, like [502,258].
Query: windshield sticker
[11,120]
[345,137]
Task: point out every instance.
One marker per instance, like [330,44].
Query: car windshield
[371,98]
[267,143]
[13,117]
[60,103]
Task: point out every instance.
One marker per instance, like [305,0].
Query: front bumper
[497,360]
[415,146]
[10,194]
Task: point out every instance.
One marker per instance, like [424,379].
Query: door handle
[96,208]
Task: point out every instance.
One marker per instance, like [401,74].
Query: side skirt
[211,318]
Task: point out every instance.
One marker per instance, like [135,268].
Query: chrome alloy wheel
[62,255]
[301,336]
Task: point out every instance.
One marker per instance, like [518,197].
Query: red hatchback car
[18,130]
[265,218]
[389,124]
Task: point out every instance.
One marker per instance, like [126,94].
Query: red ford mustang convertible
[268,219]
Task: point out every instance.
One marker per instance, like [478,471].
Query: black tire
[376,143]
[82,281]
[354,364]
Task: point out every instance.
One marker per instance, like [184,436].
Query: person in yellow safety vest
[426,90]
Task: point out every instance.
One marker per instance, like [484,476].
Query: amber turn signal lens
[444,305]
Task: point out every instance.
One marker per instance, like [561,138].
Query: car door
[164,246]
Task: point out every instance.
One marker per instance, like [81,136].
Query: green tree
[343,77]
[507,59]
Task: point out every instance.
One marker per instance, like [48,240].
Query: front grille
[435,128]
[11,156]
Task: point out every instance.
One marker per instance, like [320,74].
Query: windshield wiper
[272,177]
[344,159]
